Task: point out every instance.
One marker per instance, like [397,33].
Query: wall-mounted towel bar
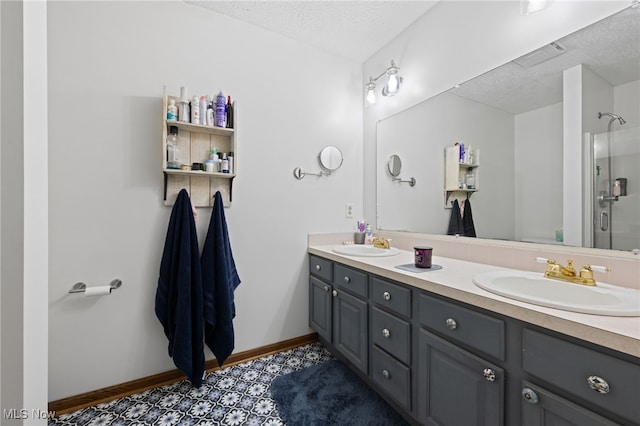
[81,287]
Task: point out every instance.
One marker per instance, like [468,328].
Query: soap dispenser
[368,236]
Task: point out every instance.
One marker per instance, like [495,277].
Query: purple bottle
[221,112]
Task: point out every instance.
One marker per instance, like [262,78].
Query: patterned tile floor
[237,395]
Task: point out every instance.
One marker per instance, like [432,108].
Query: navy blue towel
[179,293]
[467,221]
[455,222]
[219,280]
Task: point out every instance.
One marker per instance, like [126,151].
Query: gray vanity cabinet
[338,309]
[543,408]
[350,328]
[456,387]
[321,308]
[442,362]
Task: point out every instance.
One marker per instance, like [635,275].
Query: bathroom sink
[532,287]
[365,250]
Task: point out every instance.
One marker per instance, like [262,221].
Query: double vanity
[444,350]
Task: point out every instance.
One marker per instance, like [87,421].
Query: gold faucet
[567,273]
[381,242]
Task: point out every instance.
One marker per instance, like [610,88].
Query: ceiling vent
[543,54]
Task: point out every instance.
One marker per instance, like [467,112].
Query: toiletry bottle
[184,112]
[229,113]
[230,158]
[195,110]
[172,111]
[368,236]
[225,163]
[173,151]
[203,110]
[210,114]
[221,106]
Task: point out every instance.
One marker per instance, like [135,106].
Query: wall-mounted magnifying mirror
[394,165]
[330,158]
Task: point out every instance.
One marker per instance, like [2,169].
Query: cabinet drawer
[570,366]
[392,296]
[475,329]
[350,280]
[540,407]
[391,333]
[321,268]
[392,376]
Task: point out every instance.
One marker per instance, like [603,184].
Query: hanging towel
[179,294]
[455,222]
[467,221]
[219,279]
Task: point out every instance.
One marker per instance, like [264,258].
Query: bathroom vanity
[444,352]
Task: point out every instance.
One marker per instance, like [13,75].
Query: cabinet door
[350,328]
[542,408]
[456,387]
[320,307]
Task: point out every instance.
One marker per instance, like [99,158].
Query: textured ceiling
[351,29]
[610,48]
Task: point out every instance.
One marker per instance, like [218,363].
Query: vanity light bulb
[371,97]
[532,6]
[392,84]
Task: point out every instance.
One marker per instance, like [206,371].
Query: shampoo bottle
[221,106]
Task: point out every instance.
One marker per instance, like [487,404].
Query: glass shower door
[616,185]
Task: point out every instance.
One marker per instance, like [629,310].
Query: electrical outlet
[348,210]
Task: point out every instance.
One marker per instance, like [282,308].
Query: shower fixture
[613,117]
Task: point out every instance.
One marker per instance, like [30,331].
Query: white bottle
[172,111]
[195,110]
[184,113]
[203,110]
[225,163]
[368,236]
[230,158]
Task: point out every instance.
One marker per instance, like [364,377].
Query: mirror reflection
[523,123]
[394,165]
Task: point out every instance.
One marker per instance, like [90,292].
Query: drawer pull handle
[386,333]
[326,288]
[489,374]
[318,267]
[530,396]
[385,374]
[335,292]
[347,279]
[598,384]
[451,323]
[386,295]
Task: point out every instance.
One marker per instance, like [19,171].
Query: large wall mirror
[517,116]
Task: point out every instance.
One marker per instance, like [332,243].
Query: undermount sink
[365,250]
[531,287]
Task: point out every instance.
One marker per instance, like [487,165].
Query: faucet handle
[597,268]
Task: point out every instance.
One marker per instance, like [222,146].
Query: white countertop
[454,280]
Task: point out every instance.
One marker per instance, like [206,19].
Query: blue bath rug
[330,394]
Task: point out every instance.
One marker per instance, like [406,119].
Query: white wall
[458,40]
[11,199]
[538,153]
[107,64]
[419,136]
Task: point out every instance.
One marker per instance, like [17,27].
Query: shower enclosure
[615,195]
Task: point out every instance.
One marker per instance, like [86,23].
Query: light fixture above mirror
[394,81]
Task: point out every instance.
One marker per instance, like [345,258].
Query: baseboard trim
[110,393]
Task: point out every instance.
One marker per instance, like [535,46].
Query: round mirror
[394,165]
[331,158]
